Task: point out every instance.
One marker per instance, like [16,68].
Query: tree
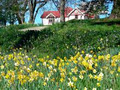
[99,5]
[13,10]
[116,9]
[7,14]
[16,9]
[2,14]
[34,6]
[62,10]
[20,8]
[60,5]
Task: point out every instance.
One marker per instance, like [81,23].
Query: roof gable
[56,13]
[46,13]
[76,11]
[50,15]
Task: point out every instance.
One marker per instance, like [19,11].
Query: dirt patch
[34,28]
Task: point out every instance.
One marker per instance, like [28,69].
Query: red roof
[57,13]
[46,13]
[67,11]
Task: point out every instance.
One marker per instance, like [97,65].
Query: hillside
[76,55]
[63,39]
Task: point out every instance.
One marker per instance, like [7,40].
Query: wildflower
[17,64]
[7,76]
[84,63]
[111,72]
[67,63]
[46,78]
[2,66]
[83,52]
[44,63]
[85,88]
[53,79]
[81,76]
[90,76]
[28,70]
[75,70]
[61,79]
[2,73]
[50,67]
[117,75]
[54,70]
[82,72]
[90,67]
[101,74]
[70,84]
[91,51]
[62,75]
[70,73]
[94,89]
[99,48]
[88,55]
[101,39]
[99,78]
[74,78]
[47,56]
[94,71]
[118,69]
[30,66]
[23,81]
[22,62]
[95,77]
[98,84]
[37,64]
[107,57]
[41,75]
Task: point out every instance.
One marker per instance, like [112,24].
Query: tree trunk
[115,12]
[62,10]
[31,17]
[20,19]
[31,10]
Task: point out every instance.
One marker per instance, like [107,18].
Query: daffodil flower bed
[18,71]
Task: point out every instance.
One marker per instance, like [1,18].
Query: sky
[50,7]
[110,7]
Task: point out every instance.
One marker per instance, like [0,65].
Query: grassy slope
[63,39]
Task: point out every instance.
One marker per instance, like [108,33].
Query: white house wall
[45,21]
[66,19]
[57,20]
[83,17]
[71,17]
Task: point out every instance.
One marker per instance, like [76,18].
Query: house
[50,17]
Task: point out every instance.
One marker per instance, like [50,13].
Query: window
[76,16]
[51,20]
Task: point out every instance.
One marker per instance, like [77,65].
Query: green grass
[19,72]
[63,39]
[56,52]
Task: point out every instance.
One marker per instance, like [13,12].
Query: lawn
[76,55]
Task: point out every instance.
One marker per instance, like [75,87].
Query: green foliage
[10,35]
[63,39]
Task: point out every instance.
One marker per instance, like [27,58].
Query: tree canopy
[14,10]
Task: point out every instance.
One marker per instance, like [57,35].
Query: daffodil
[70,84]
